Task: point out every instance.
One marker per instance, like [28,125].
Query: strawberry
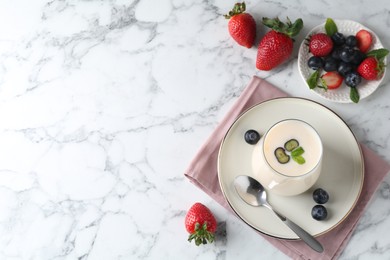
[277,44]
[370,68]
[201,224]
[242,26]
[332,80]
[320,45]
[364,40]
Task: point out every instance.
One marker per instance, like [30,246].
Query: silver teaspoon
[253,193]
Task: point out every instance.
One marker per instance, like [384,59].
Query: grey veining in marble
[104,103]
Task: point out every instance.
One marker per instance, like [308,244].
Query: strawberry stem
[288,28]
[201,235]
[238,8]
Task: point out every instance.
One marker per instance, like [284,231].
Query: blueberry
[338,38]
[351,41]
[335,54]
[344,68]
[357,57]
[331,64]
[346,54]
[352,79]
[320,196]
[319,212]
[315,63]
[252,136]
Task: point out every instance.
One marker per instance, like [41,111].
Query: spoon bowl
[250,190]
[253,193]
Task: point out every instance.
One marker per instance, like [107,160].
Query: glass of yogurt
[288,159]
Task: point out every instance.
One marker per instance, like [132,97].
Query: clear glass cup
[294,176]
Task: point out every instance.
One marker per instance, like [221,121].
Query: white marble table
[104,103]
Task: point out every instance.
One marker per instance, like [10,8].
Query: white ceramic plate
[341,94]
[342,174]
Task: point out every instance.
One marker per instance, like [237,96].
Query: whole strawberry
[201,224]
[242,26]
[277,45]
[320,45]
[373,66]
[370,69]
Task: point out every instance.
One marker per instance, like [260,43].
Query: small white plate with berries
[338,60]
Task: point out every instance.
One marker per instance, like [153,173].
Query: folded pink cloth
[203,173]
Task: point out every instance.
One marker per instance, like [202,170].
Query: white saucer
[342,173]
[341,94]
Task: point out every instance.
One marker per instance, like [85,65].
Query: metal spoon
[253,193]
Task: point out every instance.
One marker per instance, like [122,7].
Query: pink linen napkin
[202,171]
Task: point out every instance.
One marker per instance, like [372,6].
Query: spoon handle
[306,237]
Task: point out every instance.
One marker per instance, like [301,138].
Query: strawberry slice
[364,40]
[332,80]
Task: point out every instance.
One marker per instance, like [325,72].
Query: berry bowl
[342,93]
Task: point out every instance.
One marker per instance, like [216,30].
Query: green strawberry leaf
[201,235]
[313,79]
[330,27]
[295,28]
[238,8]
[354,95]
[288,28]
[274,24]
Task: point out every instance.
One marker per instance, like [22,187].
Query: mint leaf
[297,151]
[323,84]
[379,54]
[313,79]
[330,27]
[354,95]
[296,154]
[299,159]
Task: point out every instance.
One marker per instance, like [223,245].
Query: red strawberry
[332,79]
[242,26]
[364,40]
[273,50]
[320,45]
[201,224]
[370,68]
[277,45]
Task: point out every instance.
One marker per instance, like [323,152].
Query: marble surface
[104,103]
